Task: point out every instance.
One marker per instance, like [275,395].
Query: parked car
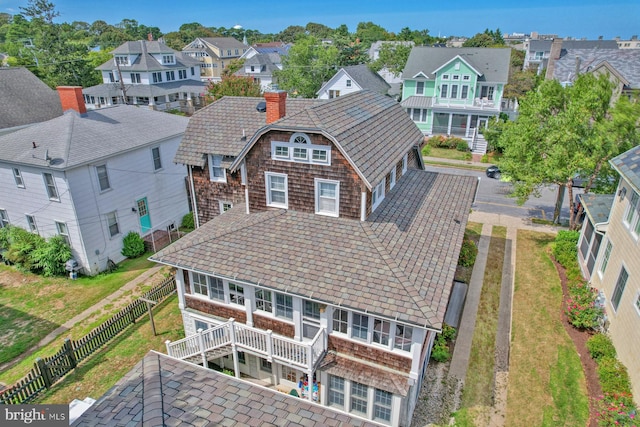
[493,172]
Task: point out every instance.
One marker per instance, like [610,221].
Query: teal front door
[143,214]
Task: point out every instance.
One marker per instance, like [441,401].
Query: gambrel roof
[490,63]
[399,263]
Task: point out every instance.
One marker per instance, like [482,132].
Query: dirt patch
[579,338]
[11,278]
[438,398]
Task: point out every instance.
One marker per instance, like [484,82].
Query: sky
[565,18]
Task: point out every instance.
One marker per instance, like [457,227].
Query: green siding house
[454,91]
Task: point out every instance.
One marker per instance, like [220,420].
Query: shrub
[468,252]
[426,150]
[485,158]
[51,256]
[440,351]
[617,410]
[21,246]
[613,375]
[462,146]
[132,245]
[600,346]
[565,248]
[188,222]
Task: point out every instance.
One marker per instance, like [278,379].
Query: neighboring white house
[385,73]
[93,176]
[353,79]
[148,73]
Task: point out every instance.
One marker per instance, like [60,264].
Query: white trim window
[236,294]
[444,90]
[336,391]
[284,306]
[157,160]
[264,300]
[17,176]
[31,222]
[348,82]
[168,59]
[217,172]
[382,405]
[377,195]
[327,197]
[224,206]
[199,284]
[359,394]
[276,188]
[216,288]
[4,218]
[632,215]
[299,149]
[464,94]
[63,231]
[103,178]
[419,88]
[621,283]
[392,178]
[112,224]
[157,77]
[340,321]
[360,326]
[605,258]
[50,184]
[135,78]
[405,163]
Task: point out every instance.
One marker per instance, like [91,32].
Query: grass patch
[546,382]
[481,363]
[448,153]
[102,370]
[456,166]
[33,306]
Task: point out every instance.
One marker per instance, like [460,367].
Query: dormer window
[299,138]
[217,172]
[300,149]
[122,60]
[168,59]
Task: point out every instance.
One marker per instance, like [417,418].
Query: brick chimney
[276,105]
[72,99]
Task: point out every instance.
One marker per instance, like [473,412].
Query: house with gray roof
[214,55]
[150,73]
[609,256]
[352,79]
[455,91]
[622,66]
[92,176]
[324,257]
[25,99]
[260,67]
[540,52]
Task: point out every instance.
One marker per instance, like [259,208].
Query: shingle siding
[370,354]
[209,193]
[220,310]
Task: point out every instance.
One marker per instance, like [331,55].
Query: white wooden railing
[274,347]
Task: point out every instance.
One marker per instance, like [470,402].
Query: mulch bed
[580,338]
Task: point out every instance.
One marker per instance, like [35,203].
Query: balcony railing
[214,342]
[478,104]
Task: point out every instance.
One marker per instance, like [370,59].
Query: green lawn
[33,306]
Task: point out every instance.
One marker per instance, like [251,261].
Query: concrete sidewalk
[85,314]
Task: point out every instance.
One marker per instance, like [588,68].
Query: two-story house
[94,175]
[454,91]
[325,259]
[25,99]
[214,54]
[609,255]
[352,79]
[147,72]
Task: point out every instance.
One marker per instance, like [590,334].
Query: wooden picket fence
[47,371]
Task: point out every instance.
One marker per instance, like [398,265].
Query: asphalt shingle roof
[491,63]
[366,78]
[72,140]
[25,99]
[145,61]
[625,61]
[400,263]
[628,165]
[152,90]
[218,128]
[161,390]
[597,206]
[372,129]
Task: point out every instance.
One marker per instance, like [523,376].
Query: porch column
[468,128]
[449,125]
[310,384]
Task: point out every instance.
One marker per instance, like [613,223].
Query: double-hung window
[112,223]
[284,306]
[276,186]
[157,77]
[217,172]
[216,288]
[348,83]
[264,300]
[200,286]
[157,161]
[103,177]
[17,176]
[419,88]
[63,231]
[182,74]
[327,197]
[454,91]
[340,320]
[50,184]
[382,405]
[4,218]
[360,326]
[377,195]
[632,216]
[464,94]
[236,294]
[336,391]
[31,222]
[444,90]
[135,77]
[619,289]
[605,258]
[359,398]
[171,75]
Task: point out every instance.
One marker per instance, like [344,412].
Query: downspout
[193,197]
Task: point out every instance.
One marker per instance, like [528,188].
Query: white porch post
[202,349]
[468,128]
[449,124]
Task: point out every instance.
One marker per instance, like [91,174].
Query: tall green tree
[393,57]
[565,131]
[231,85]
[489,38]
[368,32]
[308,64]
